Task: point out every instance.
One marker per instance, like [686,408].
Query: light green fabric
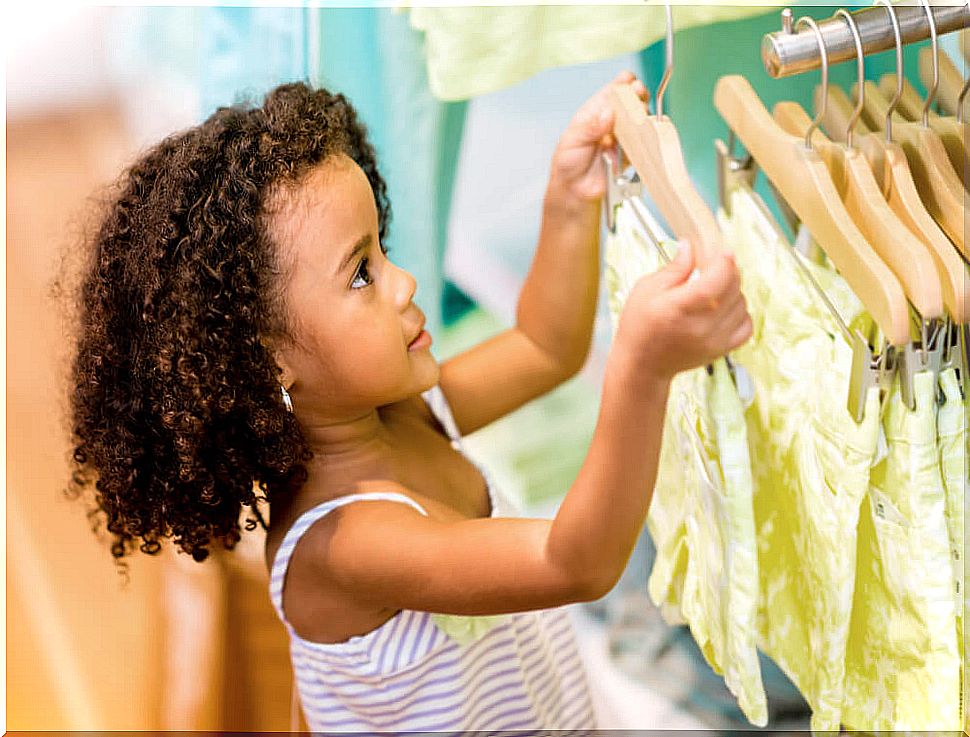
[701,520]
[902,665]
[811,461]
[465,629]
[474,50]
[963,569]
[952,436]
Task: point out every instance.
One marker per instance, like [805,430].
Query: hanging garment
[706,569]
[902,665]
[952,437]
[425,672]
[811,460]
[954,453]
[475,50]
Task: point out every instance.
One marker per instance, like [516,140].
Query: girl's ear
[287,376]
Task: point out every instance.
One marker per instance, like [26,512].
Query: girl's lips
[422,341]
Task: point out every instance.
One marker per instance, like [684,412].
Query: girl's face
[350,307]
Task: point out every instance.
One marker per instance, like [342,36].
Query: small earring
[286,398]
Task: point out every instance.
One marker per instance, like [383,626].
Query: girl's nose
[407,286]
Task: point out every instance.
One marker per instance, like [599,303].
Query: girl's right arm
[389,555]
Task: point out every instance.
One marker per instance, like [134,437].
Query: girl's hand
[672,322]
[576,163]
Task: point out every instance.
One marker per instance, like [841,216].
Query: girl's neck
[347,441]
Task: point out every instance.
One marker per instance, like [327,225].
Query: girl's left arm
[557,305]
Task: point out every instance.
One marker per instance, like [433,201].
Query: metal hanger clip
[732,172]
[619,186]
[923,355]
[956,354]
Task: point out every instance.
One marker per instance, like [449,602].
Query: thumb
[599,122]
[681,266]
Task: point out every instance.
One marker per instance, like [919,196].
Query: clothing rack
[785,52]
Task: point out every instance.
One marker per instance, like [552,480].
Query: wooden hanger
[951,81]
[952,134]
[802,178]
[936,181]
[896,245]
[895,180]
[653,147]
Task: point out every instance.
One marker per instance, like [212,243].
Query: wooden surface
[804,181]
[889,164]
[952,134]
[179,648]
[653,146]
[897,247]
[939,186]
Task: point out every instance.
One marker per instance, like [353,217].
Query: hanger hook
[899,67]
[669,66]
[961,99]
[931,93]
[825,78]
[860,71]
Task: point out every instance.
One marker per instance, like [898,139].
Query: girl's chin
[433,373]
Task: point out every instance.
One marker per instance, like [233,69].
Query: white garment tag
[803,240]
[744,384]
[882,447]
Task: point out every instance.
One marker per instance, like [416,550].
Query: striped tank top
[415,673]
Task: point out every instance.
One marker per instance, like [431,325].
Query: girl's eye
[362,277]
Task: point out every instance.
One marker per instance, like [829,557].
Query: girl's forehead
[328,206]
[334,184]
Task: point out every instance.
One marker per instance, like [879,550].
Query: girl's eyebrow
[362,244]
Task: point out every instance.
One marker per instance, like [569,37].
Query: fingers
[679,269]
[735,316]
[740,334]
[626,77]
[733,326]
[683,260]
[600,101]
[714,307]
[641,89]
[593,122]
[718,284]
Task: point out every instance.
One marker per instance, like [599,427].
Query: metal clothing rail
[785,53]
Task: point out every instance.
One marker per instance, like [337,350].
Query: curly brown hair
[175,406]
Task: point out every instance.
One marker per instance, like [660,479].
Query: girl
[241,323]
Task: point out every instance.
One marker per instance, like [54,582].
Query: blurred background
[197,646]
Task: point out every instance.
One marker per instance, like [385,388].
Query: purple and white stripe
[408,675]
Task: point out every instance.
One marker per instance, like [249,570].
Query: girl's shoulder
[279,527]
[320,612]
[425,436]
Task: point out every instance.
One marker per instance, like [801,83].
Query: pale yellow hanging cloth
[810,459]
[701,520]
[902,661]
[474,50]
